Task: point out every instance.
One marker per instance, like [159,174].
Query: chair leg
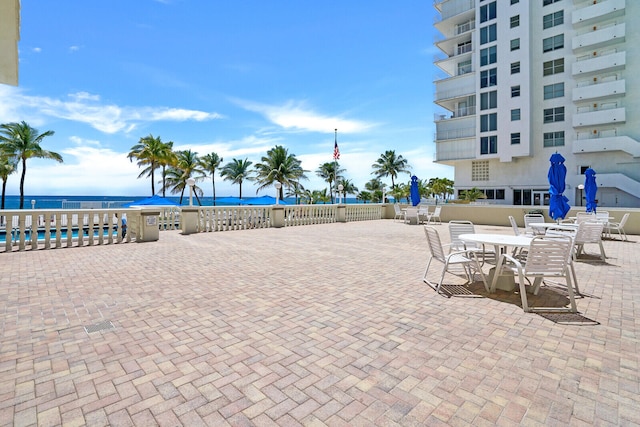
[523,291]
[602,254]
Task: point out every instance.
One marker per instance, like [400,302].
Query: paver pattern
[312,326]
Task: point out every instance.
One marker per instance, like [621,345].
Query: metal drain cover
[101,326]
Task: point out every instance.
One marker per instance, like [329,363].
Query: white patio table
[556,226]
[500,242]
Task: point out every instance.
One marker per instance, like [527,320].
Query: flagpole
[335,159]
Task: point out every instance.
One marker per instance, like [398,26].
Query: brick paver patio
[316,325]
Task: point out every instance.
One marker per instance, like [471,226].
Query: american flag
[336,151]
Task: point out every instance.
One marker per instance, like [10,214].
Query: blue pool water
[41,233]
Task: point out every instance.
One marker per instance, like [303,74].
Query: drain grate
[101,326]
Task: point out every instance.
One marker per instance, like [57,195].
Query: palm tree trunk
[213,183]
[24,172]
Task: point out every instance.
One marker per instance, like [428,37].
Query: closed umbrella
[414,191]
[590,189]
[558,204]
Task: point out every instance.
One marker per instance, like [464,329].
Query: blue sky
[232,77]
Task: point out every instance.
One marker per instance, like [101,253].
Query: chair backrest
[456,228]
[602,216]
[423,209]
[623,221]
[584,216]
[396,208]
[435,245]
[514,225]
[548,256]
[589,232]
[531,218]
[436,210]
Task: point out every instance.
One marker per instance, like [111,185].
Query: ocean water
[58,202]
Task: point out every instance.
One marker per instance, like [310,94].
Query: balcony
[461,149]
[455,87]
[459,113]
[601,116]
[598,12]
[462,128]
[599,37]
[606,141]
[599,90]
[462,10]
[599,64]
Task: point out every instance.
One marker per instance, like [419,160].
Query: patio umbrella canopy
[414,191]
[262,200]
[152,201]
[558,204]
[590,189]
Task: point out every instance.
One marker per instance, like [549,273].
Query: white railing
[309,214]
[363,212]
[227,218]
[56,228]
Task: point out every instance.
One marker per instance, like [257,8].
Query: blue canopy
[414,191]
[263,200]
[558,204]
[590,189]
[154,200]
[229,200]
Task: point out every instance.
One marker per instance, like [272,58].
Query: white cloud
[36,50]
[297,116]
[86,108]
[74,49]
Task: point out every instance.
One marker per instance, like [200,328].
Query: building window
[488,55]
[515,67]
[553,139]
[553,19]
[489,145]
[488,34]
[489,122]
[515,1]
[489,77]
[515,21]
[553,67]
[552,115]
[480,170]
[515,44]
[515,91]
[489,100]
[515,114]
[488,12]
[553,43]
[464,47]
[515,138]
[464,67]
[548,2]
[554,91]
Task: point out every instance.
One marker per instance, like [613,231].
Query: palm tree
[330,172]
[364,196]
[388,164]
[320,196]
[209,164]
[187,166]
[441,186]
[150,152]
[237,171]
[21,142]
[168,158]
[348,187]
[400,191]
[7,167]
[296,190]
[278,166]
[376,188]
[473,194]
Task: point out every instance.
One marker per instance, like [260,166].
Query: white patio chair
[589,232]
[585,216]
[619,227]
[514,225]
[411,215]
[458,227]
[547,258]
[399,214]
[531,218]
[466,261]
[435,215]
[423,214]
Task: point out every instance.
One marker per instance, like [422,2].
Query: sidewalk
[316,325]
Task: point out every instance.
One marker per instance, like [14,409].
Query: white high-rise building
[523,79]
